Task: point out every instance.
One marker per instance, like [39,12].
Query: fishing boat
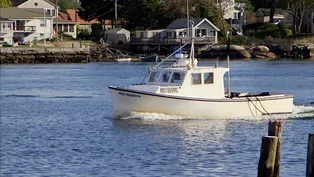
[188,90]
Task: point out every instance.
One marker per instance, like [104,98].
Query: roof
[116,30]
[182,23]
[73,12]
[63,18]
[5,19]
[266,11]
[63,21]
[15,12]
[19,2]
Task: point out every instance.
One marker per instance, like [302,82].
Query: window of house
[53,12]
[214,33]
[208,78]
[42,23]
[72,28]
[235,15]
[41,34]
[1,39]
[309,15]
[198,32]
[141,34]
[196,78]
[66,28]
[177,78]
[48,12]
[154,76]
[59,27]
[169,34]
[165,76]
[204,32]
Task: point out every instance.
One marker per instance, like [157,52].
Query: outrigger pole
[228,63]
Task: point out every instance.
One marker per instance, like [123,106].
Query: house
[263,15]
[6,30]
[65,25]
[24,25]
[117,36]
[234,13]
[308,21]
[84,26]
[34,4]
[177,32]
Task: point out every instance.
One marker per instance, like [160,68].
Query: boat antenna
[192,44]
[187,19]
[228,63]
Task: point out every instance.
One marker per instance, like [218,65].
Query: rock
[220,51]
[261,48]
[266,55]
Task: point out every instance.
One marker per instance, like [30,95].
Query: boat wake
[299,112]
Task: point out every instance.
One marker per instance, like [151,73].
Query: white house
[234,13]
[38,4]
[25,25]
[6,31]
[117,36]
[177,32]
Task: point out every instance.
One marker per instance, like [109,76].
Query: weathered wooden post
[310,157]
[275,129]
[267,157]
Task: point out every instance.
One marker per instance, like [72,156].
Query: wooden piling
[275,129]
[267,157]
[310,157]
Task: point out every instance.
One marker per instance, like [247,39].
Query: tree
[298,7]
[141,14]
[5,3]
[98,9]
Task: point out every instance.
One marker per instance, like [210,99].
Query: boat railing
[217,62]
[169,57]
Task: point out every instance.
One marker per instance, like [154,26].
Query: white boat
[187,90]
[123,59]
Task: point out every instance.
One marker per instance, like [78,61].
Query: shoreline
[37,55]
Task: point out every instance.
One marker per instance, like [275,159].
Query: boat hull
[126,101]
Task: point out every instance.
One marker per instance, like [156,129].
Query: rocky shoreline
[93,54]
[259,52]
[44,55]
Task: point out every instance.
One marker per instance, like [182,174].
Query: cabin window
[165,76]
[154,77]
[177,78]
[208,78]
[196,78]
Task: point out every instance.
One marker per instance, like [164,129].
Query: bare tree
[298,7]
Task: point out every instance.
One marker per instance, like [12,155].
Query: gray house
[117,36]
[177,32]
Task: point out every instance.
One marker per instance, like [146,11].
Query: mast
[228,63]
[187,19]
[57,15]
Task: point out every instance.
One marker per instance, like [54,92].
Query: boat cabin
[201,82]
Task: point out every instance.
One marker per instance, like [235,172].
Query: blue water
[57,120]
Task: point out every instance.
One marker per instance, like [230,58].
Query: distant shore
[13,55]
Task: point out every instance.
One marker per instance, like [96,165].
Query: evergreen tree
[5,3]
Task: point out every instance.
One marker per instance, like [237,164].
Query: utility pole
[57,14]
[75,3]
[115,12]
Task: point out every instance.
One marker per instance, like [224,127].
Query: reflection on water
[57,120]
